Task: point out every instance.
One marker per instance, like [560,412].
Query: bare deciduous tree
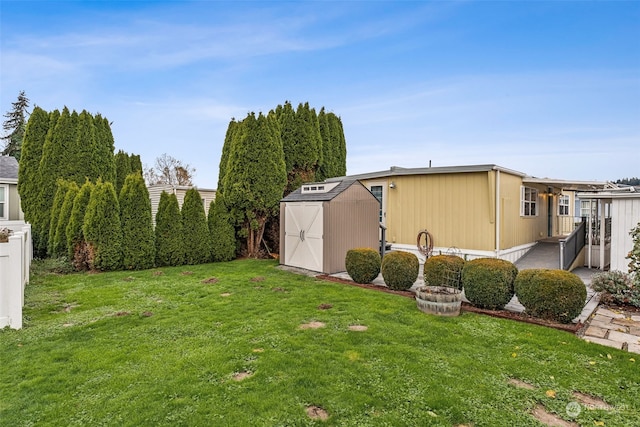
[169,170]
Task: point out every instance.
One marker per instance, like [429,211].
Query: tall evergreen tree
[15,125]
[339,145]
[62,186]
[226,148]
[255,178]
[28,185]
[60,235]
[223,233]
[102,228]
[53,165]
[123,169]
[135,163]
[82,155]
[104,159]
[168,231]
[325,165]
[138,247]
[76,244]
[334,156]
[195,231]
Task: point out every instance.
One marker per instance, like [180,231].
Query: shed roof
[8,169]
[298,196]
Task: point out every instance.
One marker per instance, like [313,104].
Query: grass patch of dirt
[591,402]
[312,325]
[317,413]
[521,384]
[211,280]
[241,376]
[547,418]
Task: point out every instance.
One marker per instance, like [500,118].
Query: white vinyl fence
[15,260]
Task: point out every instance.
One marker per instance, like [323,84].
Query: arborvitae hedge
[223,233]
[60,235]
[168,232]
[123,169]
[58,200]
[255,178]
[34,137]
[76,245]
[138,246]
[195,231]
[102,229]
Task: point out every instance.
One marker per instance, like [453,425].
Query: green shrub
[363,264]
[444,270]
[195,231]
[168,232]
[60,234]
[222,231]
[400,270]
[138,247]
[76,244]
[617,287]
[488,282]
[551,294]
[102,230]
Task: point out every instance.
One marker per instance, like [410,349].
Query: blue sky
[551,89]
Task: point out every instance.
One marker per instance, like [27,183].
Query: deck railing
[571,246]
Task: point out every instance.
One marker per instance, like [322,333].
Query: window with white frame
[586,206]
[563,205]
[4,195]
[528,201]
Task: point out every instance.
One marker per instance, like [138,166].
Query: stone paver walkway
[614,329]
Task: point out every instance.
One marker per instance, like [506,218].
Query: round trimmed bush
[400,270]
[551,294]
[444,270]
[488,282]
[363,264]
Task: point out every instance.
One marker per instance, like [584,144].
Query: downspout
[602,233]
[498,214]
[589,234]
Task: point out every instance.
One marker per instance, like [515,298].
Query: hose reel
[427,248]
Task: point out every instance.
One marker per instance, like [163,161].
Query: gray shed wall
[350,221]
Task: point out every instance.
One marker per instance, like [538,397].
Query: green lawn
[144,348]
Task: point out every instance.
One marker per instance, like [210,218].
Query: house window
[563,205]
[528,201]
[4,195]
[376,190]
[586,206]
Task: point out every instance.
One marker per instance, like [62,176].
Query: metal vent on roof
[318,187]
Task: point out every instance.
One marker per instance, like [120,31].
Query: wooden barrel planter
[439,300]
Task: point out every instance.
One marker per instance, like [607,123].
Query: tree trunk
[255,237]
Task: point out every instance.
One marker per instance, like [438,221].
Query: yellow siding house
[478,210]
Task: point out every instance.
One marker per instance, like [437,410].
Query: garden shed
[320,222]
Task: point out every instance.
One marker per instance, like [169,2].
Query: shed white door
[303,235]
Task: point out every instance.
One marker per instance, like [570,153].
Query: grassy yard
[162,347]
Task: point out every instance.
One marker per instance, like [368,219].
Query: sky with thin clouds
[551,89]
